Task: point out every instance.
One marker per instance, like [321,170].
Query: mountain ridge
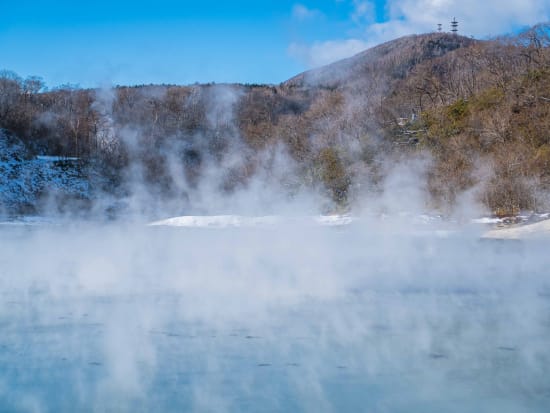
[477,109]
[431,45]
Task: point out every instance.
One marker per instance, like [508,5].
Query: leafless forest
[478,111]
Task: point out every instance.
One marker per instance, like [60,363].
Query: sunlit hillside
[477,113]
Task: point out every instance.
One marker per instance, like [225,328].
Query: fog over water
[376,315]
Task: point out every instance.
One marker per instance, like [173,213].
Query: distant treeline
[481,108]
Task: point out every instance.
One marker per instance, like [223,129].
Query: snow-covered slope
[26,181]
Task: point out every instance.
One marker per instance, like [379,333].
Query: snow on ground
[30,221]
[488,220]
[216,221]
[24,179]
[334,220]
[519,231]
[537,230]
[227,221]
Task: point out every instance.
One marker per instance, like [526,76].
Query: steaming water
[357,318]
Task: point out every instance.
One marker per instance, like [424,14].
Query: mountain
[395,59]
[478,110]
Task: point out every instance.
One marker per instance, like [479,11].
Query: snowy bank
[537,230]
[229,221]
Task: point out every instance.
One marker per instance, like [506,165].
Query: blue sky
[168,41]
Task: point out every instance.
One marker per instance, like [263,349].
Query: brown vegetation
[481,108]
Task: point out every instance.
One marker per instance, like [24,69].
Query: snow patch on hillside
[26,181]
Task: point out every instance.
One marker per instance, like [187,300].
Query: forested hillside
[478,110]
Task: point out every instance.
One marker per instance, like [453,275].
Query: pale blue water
[259,321]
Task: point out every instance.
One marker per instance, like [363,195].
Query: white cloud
[301,12]
[363,11]
[480,19]
[322,53]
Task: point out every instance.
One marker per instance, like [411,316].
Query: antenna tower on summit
[439,27]
[454,26]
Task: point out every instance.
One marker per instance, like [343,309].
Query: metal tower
[454,26]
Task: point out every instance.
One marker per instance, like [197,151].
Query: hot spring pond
[97,318]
